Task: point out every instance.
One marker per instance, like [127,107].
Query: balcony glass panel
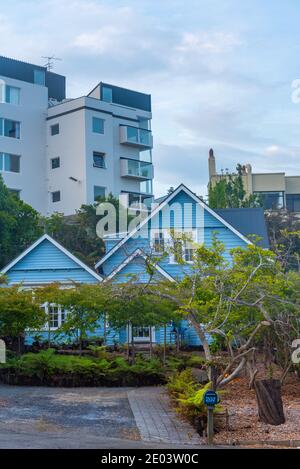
[145,137]
[139,168]
[137,136]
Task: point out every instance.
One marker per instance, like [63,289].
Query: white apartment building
[57,154]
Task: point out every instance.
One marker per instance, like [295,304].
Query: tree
[284,235]
[229,192]
[85,307]
[130,307]
[19,225]
[231,297]
[18,312]
[77,233]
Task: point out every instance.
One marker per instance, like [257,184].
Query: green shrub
[187,396]
[48,367]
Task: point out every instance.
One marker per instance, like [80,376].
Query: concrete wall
[32,113]
[268,182]
[75,145]
[292,184]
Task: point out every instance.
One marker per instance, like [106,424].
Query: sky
[220,73]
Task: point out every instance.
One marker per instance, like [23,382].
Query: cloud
[213,81]
[207,42]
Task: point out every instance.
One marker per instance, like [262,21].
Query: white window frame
[61,315]
[2,127]
[2,162]
[4,94]
[194,236]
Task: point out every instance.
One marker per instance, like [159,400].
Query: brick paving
[157,421]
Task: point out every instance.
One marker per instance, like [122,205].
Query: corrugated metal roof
[248,221]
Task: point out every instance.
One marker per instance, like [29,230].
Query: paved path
[156,420]
[43,417]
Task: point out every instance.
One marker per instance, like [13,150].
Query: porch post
[150,336]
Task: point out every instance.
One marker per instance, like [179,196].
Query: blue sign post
[210,399]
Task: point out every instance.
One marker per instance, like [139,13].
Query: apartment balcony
[139,200]
[135,136]
[136,169]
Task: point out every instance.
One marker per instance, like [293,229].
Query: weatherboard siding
[194,217]
[46,264]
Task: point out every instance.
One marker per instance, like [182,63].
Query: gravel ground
[243,417]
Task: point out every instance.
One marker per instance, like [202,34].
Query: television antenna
[50,61]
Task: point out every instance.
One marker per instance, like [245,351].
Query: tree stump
[269,401]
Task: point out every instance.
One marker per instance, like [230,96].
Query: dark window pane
[39,77]
[106,94]
[55,163]
[98,125]
[99,191]
[56,196]
[55,129]
[15,192]
[99,159]
[271,200]
[11,128]
[293,202]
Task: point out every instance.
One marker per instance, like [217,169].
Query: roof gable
[45,261]
[178,192]
[133,258]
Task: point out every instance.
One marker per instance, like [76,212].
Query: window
[55,196]
[15,192]
[12,95]
[272,200]
[182,247]
[99,160]
[99,191]
[55,163]
[9,128]
[158,242]
[106,94]
[293,202]
[54,129]
[39,77]
[56,315]
[9,163]
[98,125]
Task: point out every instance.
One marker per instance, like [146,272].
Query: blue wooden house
[46,261]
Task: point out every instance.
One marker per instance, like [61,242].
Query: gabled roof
[168,199]
[58,246]
[138,253]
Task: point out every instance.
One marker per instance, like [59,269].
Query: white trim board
[58,246]
[181,187]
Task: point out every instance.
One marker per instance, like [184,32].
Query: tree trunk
[165,344]
[268,396]
[201,334]
[105,331]
[132,349]
[128,344]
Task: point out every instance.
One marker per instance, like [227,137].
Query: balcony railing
[137,200]
[136,169]
[136,136]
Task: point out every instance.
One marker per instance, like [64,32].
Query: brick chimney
[211,164]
